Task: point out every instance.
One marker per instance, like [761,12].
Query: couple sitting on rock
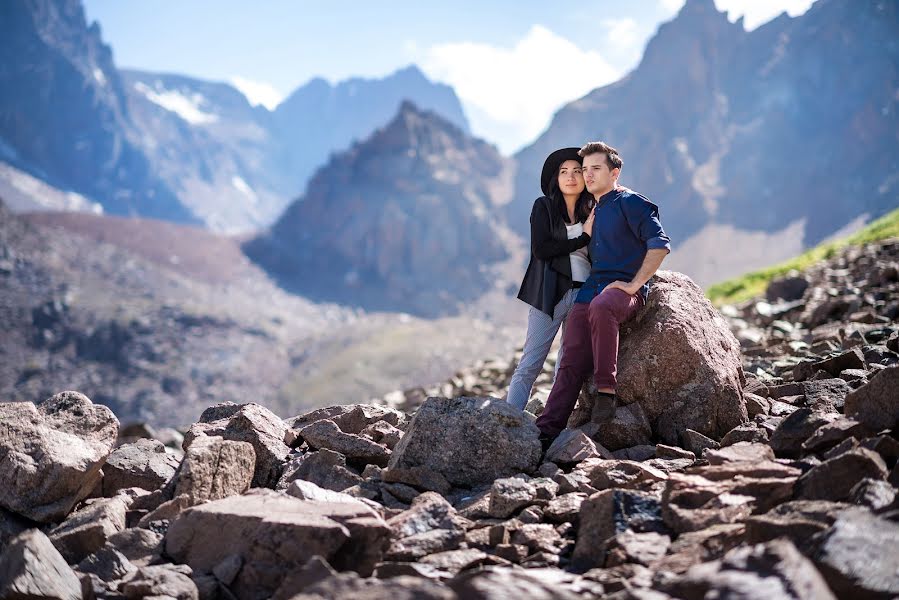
[594,247]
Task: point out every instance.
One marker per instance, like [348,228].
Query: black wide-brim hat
[551,166]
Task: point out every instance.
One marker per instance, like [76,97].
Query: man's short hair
[612,158]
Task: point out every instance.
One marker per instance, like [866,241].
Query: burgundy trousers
[590,343]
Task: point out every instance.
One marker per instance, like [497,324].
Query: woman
[561,224]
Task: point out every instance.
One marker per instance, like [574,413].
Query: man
[626,249]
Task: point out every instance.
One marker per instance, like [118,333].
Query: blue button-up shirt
[626,226]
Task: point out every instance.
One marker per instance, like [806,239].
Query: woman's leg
[542,331]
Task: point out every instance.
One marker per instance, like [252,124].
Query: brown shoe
[604,406]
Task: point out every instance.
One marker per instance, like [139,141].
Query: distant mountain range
[755,145]
[168,146]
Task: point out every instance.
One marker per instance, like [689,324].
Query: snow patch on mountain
[186,107]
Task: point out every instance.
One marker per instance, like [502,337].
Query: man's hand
[628,287]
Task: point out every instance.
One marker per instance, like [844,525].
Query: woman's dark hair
[582,207]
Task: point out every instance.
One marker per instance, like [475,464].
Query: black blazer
[548,276]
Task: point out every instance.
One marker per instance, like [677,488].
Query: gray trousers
[542,331]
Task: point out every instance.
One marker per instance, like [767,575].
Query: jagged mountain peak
[416,199]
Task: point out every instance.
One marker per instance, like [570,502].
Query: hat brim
[552,163]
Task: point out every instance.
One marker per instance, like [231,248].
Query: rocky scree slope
[797,500]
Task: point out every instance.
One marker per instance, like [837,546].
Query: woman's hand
[588,224]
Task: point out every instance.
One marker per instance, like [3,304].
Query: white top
[580,261]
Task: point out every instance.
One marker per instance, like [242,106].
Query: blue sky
[503,57]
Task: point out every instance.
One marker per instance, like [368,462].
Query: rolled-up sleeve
[643,218]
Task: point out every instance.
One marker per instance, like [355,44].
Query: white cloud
[258,93]
[511,93]
[759,12]
[755,12]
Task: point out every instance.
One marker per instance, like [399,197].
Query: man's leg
[577,360]
[607,312]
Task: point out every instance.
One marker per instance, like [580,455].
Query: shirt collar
[608,196]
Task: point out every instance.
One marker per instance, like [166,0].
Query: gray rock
[86,530]
[502,583]
[326,434]
[873,493]
[876,404]
[214,468]
[108,564]
[573,446]
[831,434]
[756,405]
[315,570]
[775,570]
[834,478]
[739,452]
[664,451]
[418,477]
[384,433]
[143,464]
[454,561]
[52,454]
[637,453]
[565,508]
[625,474]
[696,442]
[787,288]
[750,432]
[608,513]
[161,581]
[274,533]
[857,555]
[306,490]
[430,525]
[350,585]
[726,493]
[140,546]
[30,567]
[324,468]
[510,494]
[488,437]
[247,423]
[697,377]
[641,548]
[798,521]
[704,545]
[11,525]
[787,439]
[361,416]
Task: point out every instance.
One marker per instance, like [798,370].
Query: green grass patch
[754,284]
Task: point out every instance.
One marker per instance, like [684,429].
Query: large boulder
[679,360]
[470,441]
[270,534]
[51,454]
[247,423]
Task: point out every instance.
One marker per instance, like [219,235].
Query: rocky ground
[756,465]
